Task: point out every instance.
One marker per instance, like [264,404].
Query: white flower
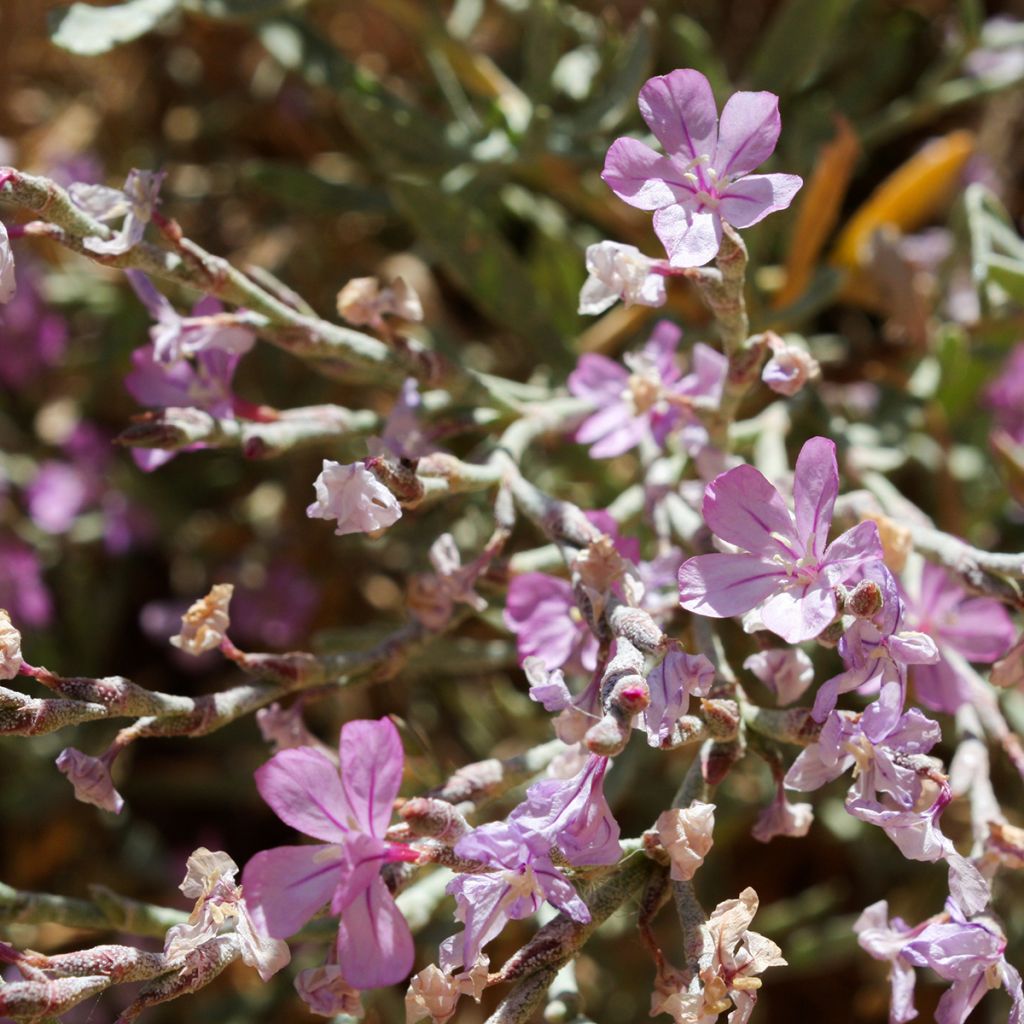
[6,267]
[686,836]
[10,647]
[355,497]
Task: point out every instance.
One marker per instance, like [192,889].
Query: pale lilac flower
[781,818]
[546,688]
[970,954]
[704,178]
[686,835]
[34,336]
[404,435]
[786,671]
[619,271]
[135,204]
[1000,57]
[324,990]
[1005,395]
[210,881]
[285,728]
[7,283]
[786,568]
[672,682]
[58,493]
[522,880]
[649,397]
[789,368]
[573,815]
[175,337]
[286,886]
[91,778]
[355,497]
[451,583]
[542,613]
[978,629]
[203,384]
[10,647]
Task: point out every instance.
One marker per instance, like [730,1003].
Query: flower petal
[302,787]
[598,378]
[641,177]
[723,585]
[680,109]
[800,613]
[691,238]
[371,771]
[747,134]
[286,886]
[744,509]
[815,487]
[375,945]
[752,198]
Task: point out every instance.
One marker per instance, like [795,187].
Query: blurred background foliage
[460,144]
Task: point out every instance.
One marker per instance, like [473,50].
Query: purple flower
[522,880]
[355,497]
[135,204]
[671,684]
[7,284]
[970,954]
[1005,395]
[617,272]
[277,608]
[786,567]
[57,494]
[781,818]
[22,590]
[175,337]
[286,886]
[204,384]
[964,629]
[648,397]
[573,815]
[34,336]
[91,778]
[542,613]
[704,178]
[404,435]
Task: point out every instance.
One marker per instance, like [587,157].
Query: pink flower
[964,629]
[671,684]
[1005,395]
[542,613]
[648,397]
[786,567]
[34,336]
[704,178]
[7,285]
[787,671]
[286,886]
[91,778]
[355,497]
[789,368]
[619,271]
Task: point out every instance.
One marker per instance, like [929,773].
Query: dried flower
[789,368]
[619,271]
[363,302]
[203,626]
[686,837]
[91,778]
[135,204]
[353,496]
[326,993]
[10,647]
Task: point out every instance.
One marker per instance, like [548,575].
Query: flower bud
[434,819]
[865,600]
[789,368]
[203,626]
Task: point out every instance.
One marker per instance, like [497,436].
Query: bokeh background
[459,144]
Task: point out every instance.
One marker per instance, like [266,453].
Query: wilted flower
[435,994]
[781,818]
[210,881]
[10,647]
[326,993]
[619,271]
[704,178]
[136,204]
[7,285]
[672,682]
[789,368]
[91,778]
[363,302]
[203,626]
[685,833]
[355,497]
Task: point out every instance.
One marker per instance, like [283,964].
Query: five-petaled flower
[286,886]
[704,177]
[787,565]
